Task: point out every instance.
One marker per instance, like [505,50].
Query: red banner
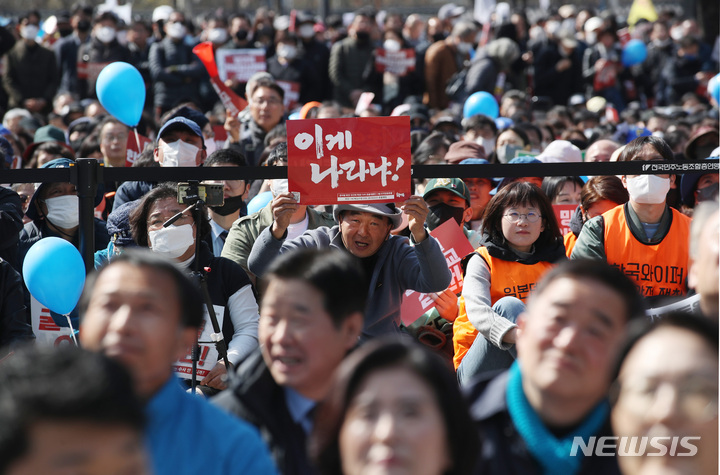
[564,213]
[362,160]
[232,102]
[396,62]
[292,93]
[240,64]
[455,246]
[132,147]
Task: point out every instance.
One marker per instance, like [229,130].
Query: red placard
[395,62]
[455,246]
[361,160]
[292,93]
[132,147]
[239,64]
[564,213]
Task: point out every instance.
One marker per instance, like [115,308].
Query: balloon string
[72,330]
[137,139]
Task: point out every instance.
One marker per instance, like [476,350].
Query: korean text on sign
[240,64]
[365,160]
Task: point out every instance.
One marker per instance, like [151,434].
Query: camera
[209,193]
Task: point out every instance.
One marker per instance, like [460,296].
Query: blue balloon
[481,102]
[634,52]
[121,91]
[259,202]
[713,88]
[54,273]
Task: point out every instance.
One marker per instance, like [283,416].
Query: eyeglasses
[271,101]
[531,217]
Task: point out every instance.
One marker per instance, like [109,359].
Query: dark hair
[462,436]
[702,327]
[188,295]
[602,273]
[604,187]
[335,274]
[279,153]
[515,194]
[52,148]
[226,156]
[553,185]
[269,83]
[61,384]
[634,148]
[139,216]
[478,121]
[430,146]
[90,144]
[520,133]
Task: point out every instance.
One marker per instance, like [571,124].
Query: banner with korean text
[362,160]
[240,64]
[396,62]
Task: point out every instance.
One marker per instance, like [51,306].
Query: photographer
[229,288]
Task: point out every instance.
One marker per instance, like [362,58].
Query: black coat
[257,399]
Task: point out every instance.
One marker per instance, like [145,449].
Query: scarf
[552,453]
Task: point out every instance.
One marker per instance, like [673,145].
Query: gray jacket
[400,266]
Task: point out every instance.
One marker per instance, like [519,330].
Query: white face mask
[218,35]
[306,31]
[287,51]
[105,34]
[488,144]
[29,32]
[647,189]
[63,212]
[172,241]
[590,37]
[210,146]
[391,45]
[464,48]
[278,185]
[507,152]
[179,154]
[176,30]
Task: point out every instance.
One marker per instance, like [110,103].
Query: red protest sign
[455,246]
[395,62]
[232,102]
[564,213]
[240,64]
[132,148]
[363,160]
[292,93]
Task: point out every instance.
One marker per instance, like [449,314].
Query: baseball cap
[454,185]
[181,123]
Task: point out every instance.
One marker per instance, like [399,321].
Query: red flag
[232,102]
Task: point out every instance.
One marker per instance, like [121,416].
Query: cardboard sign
[395,62]
[47,333]
[455,246]
[239,64]
[292,93]
[132,147]
[208,354]
[563,214]
[359,160]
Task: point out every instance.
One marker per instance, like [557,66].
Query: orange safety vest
[569,239]
[507,279]
[657,269]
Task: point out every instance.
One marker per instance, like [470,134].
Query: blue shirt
[217,241]
[187,435]
[300,408]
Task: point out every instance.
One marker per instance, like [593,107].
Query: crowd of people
[262,335]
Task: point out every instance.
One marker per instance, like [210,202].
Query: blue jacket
[185,434]
[400,266]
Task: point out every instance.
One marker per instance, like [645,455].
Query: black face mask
[708,193]
[65,32]
[441,212]
[231,205]
[438,37]
[83,26]
[241,35]
[363,37]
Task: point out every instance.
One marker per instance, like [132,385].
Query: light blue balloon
[259,202]
[634,52]
[714,88]
[121,91]
[481,102]
[54,273]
